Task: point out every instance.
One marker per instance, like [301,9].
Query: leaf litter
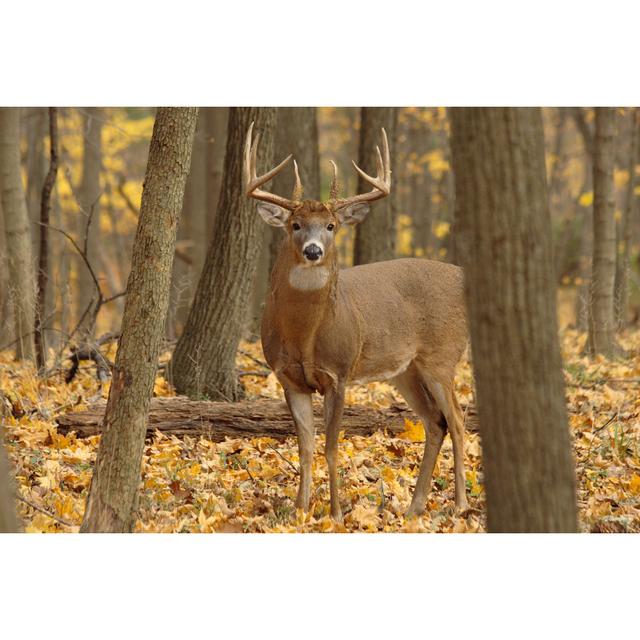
[191,484]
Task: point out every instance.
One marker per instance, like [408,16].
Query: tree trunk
[203,363]
[116,476]
[43,279]
[376,236]
[601,306]
[504,235]
[296,133]
[17,233]
[626,226]
[8,518]
[216,120]
[192,235]
[89,200]
[37,121]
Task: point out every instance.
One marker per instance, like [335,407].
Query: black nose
[312,252]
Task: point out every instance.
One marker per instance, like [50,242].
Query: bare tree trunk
[626,227]
[601,316]
[203,363]
[116,477]
[8,519]
[7,324]
[43,257]
[504,234]
[89,199]
[17,232]
[296,133]
[192,234]
[37,121]
[376,236]
[216,120]
[586,227]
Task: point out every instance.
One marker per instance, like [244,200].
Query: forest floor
[249,485]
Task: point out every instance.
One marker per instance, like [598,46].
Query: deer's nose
[312,252]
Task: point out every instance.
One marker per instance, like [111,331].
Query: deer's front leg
[302,411]
[333,406]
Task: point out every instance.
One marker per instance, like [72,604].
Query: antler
[252,181]
[381,183]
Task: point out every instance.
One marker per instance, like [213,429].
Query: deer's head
[312,225]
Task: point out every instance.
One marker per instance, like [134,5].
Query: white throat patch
[305,278]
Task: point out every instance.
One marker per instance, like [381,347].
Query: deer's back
[406,308]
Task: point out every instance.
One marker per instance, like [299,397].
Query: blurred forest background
[102,158]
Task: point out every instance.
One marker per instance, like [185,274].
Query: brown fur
[402,320]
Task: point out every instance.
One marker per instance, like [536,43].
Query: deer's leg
[333,407]
[414,392]
[447,403]
[302,411]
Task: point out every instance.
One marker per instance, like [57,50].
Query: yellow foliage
[441,229]
[586,199]
[413,431]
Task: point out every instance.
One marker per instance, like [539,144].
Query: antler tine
[298,189]
[333,194]
[253,181]
[381,183]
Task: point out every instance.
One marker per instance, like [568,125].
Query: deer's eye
[295,226]
[329,227]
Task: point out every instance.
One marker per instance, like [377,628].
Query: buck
[323,327]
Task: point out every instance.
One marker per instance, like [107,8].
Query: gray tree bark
[216,120]
[626,225]
[116,476]
[375,238]
[601,308]
[203,363]
[17,233]
[504,235]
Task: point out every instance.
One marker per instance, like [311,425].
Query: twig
[262,374]
[256,360]
[297,471]
[382,496]
[66,523]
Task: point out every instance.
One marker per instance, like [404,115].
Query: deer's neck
[302,296]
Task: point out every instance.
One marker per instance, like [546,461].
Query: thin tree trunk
[8,519]
[17,233]
[89,200]
[116,477]
[203,363]
[296,133]
[375,238]
[601,307]
[626,226]
[504,236]
[37,120]
[43,256]
[586,227]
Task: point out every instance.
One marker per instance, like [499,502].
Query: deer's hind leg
[441,389]
[418,397]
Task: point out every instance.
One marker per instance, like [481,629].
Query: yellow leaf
[413,431]
[586,199]
[634,485]
[441,229]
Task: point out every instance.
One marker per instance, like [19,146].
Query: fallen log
[180,416]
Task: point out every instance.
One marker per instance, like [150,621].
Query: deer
[323,328]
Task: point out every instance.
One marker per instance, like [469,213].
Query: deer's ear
[273,214]
[353,214]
